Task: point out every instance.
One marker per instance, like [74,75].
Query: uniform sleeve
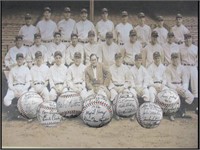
[144,56]
[69,78]
[150,73]
[100,53]
[127,78]
[132,79]
[111,85]
[149,35]
[10,80]
[51,79]
[146,78]
[75,29]
[169,79]
[68,59]
[20,31]
[7,59]
[28,78]
[184,78]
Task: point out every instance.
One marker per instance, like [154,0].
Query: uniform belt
[39,83]
[59,83]
[157,81]
[78,83]
[188,64]
[28,45]
[83,42]
[128,64]
[103,40]
[179,43]
[19,84]
[176,82]
[121,43]
[119,84]
[47,41]
[66,41]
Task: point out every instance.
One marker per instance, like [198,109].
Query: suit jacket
[103,76]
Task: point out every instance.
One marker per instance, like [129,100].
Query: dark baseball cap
[38,53]
[36,35]
[77,55]
[170,34]
[67,9]
[91,33]
[154,34]
[174,55]
[57,53]
[118,55]
[109,35]
[56,33]
[18,37]
[124,13]
[156,54]
[187,36]
[141,15]
[138,56]
[160,18]
[19,55]
[84,10]
[74,34]
[27,16]
[133,33]
[179,16]
[47,9]
[104,10]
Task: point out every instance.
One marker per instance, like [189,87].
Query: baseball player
[40,77]
[47,27]
[143,30]
[179,29]
[83,27]
[177,80]
[97,77]
[38,46]
[108,50]
[131,48]
[91,48]
[150,48]
[162,31]
[189,59]
[28,31]
[57,45]
[140,79]
[104,25]
[18,81]
[170,47]
[74,47]
[66,26]
[58,77]
[122,29]
[76,76]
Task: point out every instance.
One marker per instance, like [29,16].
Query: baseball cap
[154,34]
[118,55]
[187,36]
[156,54]
[170,34]
[84,10]
[19,55]
[160,18]
[74,34]
[124,13]
[109,35]
[67,9]
[133,33]
[38,53]
[91,33]
[56,33]
[179,16]
[104,10]
[77,55]
[18,37]
[27,16]
[141,15]
[138,56]
[57,53]
[174,55]
[36,35]
[47,9]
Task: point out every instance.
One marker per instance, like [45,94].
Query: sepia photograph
[99,74]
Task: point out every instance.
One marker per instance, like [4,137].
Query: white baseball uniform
[121,78]
[189,59]
[122,30]
[40,78]
[76,79]
[143,33]
[177,78]
[57,80]
[179,32]
[162,34]
[70,53]
[168,49]
[108,53]
[147,53]
[18,83]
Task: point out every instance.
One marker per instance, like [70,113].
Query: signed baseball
[97,111]
[168,100]
[149,115]
[28,103]
[125,104]
[47,114]
[70,104]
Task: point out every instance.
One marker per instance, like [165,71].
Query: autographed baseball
[28,103]
[70,104]
[97,111]
[168,100]
[47,114]
[125,104]
[149,115]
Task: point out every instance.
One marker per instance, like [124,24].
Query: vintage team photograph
[99,74]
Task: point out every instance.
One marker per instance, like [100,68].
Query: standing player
[83,27]
[122,29]
[179,29]
[66,26]
[28,31]
[143,30]
[47,27]
[104,25]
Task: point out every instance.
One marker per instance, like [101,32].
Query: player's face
[109,41]
[19,42]
[153,40]
[142,20]
[175,61]
[118,61]
[38,41]
[47,15]
[58,60]
[170,39]
[160,23]
[179,21]
[188,41]
[133,38]
[91,38]
[57,39]
[77,61]
[93,61]
[39,60]
[104,15]
[74,40]
[20,61]
[28,22]
[138,62]
[157,60]
[84,16]
[124,19]
[67,15]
